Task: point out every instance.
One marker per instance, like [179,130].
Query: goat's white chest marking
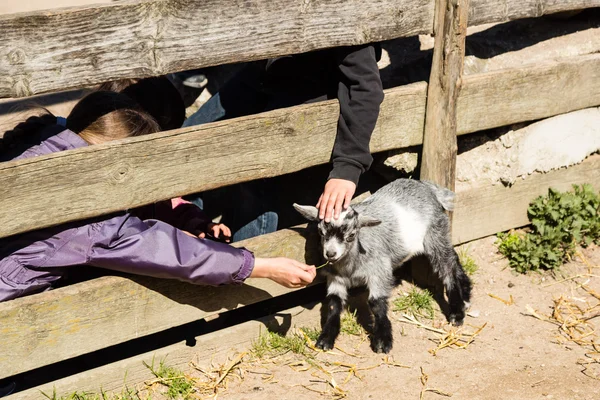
[412,229]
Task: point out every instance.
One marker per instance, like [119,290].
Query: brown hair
[103,116]
[99,117]
[27,134]
[156,95]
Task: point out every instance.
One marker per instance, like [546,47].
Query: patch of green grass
[349,325]
[467,262]
[179,387]
[416,302]
[312,333]
[271,343]
[560,222]
[126,394]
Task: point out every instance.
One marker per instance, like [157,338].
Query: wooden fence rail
[61,319]
[82,46]
[124,309]
[133,172]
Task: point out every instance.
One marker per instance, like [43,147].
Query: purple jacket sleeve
[153,248]
[157,249]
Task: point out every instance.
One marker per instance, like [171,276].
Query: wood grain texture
[52,326]
[217,345]
[78,47]
[439,138]
[488,11]
[142,170]
[61,320]
[487,209]
[504,97]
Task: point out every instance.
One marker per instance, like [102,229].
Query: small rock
[511,285]
[474,313]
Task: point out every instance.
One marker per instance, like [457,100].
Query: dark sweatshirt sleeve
[360,94]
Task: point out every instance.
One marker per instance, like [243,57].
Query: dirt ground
[514,356]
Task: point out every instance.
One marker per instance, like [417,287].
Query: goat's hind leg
[446,265]
[459,295]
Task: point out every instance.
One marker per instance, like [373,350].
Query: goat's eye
[350,238]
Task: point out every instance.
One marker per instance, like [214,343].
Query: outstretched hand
[335,198]
[285,271]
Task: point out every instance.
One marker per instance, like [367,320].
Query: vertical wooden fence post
[438,162]
[439,141]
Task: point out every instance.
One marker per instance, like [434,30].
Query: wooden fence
[81,46]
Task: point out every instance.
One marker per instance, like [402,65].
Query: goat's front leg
[336,297]
[381,338]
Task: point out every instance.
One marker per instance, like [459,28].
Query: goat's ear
[365,220]
[309,212]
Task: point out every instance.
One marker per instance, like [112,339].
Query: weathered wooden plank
[439,138]
[137,171]
[75,47]
[488,11]
[504,97]
[213,346]
[18,6]
[61,318]
[78,47]
[487,209]
[49,327]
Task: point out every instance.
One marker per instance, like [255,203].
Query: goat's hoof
[456,320]
[381,344]
[324,344]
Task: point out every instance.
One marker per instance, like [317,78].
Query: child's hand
[285,271]
[218,231]
[335,198]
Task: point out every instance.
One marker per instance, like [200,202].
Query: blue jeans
[250,218]
[250,91]
[210,111]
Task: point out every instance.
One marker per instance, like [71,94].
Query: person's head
[156,95]
[99,117]
[103,116]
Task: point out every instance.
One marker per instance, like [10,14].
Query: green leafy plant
[416,302]
[560,222]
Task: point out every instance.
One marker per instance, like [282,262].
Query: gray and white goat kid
[401,220]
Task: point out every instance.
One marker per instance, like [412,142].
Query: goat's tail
[443,195]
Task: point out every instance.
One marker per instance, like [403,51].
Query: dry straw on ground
[448,338]
[574,316]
